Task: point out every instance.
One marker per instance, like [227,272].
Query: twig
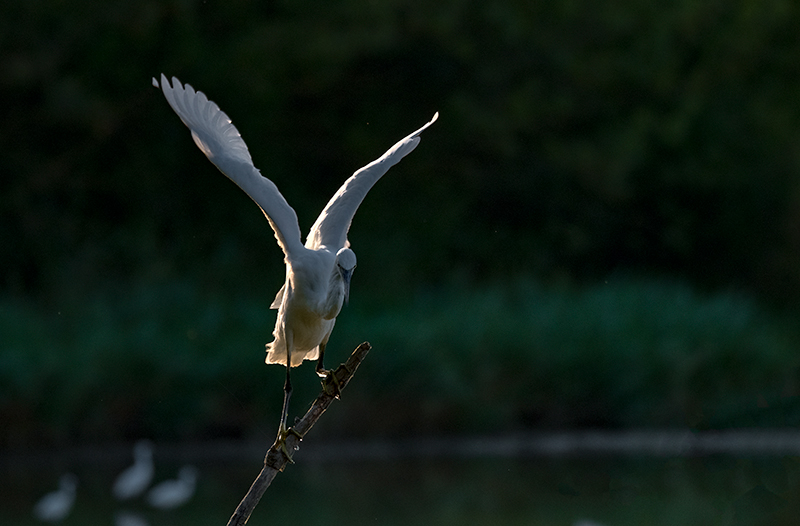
[275,460]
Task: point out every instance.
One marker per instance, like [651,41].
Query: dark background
[577,142]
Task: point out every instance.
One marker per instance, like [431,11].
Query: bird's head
[345,264]
[188,474]
[68,482]
[143,450]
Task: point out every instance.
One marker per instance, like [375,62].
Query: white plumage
[129,518]
[56,505]
[173,493]
[317,273]
[135,479]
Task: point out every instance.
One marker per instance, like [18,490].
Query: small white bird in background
[173,493]
[129,518]
[318,273]
[135,479]
[56,505]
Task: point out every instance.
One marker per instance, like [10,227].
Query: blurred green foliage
[576,139]
[178,362]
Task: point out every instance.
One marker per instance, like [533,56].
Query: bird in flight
[318,273]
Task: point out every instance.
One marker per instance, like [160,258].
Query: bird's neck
[335,299]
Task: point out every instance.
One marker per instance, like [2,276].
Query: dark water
[609,491]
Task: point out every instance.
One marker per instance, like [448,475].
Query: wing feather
[217,137]
[332,225]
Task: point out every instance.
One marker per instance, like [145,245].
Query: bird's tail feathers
[276,353]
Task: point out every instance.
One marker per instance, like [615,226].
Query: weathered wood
[275,459]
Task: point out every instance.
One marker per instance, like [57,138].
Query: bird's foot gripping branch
[330,379]
[340,377]
[280,442]
[277,456]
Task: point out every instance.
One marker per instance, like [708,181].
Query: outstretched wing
[219,139]
[332,225]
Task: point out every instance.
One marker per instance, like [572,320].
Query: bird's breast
[334,300]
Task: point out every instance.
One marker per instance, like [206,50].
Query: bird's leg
[287,394]
[283,431]
[330,384]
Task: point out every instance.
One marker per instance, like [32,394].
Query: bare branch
[275,460]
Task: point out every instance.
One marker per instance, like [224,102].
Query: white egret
[318,273]
[129,518]
[56,505]
[135,479]
[173,493]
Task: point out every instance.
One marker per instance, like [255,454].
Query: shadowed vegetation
[175,361]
